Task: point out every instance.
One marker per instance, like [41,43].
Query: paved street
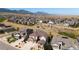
[4,46]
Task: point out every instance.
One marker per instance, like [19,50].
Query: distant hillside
[15,11]
[22,11]
[43,13]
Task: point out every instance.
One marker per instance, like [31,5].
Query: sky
[61,11]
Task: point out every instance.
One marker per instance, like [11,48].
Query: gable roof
[39,33]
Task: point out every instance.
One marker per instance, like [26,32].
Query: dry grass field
[43,27]
[54,30]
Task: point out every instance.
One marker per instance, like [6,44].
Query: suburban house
[6,28]
[23,20]
[50,23]
[61,43]
[39,36]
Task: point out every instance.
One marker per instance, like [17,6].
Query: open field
[54,30]
[43,27]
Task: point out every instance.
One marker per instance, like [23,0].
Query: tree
[2,19]
[17,28]
[47,46]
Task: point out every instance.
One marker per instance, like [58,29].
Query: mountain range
[21,11]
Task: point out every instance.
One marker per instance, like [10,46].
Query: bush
[2,19]
[11,39]
[47,46]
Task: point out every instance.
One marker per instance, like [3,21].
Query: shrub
[47,46]
[11,39]
[2,19]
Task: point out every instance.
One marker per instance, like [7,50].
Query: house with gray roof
[61,43]
[41,34]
